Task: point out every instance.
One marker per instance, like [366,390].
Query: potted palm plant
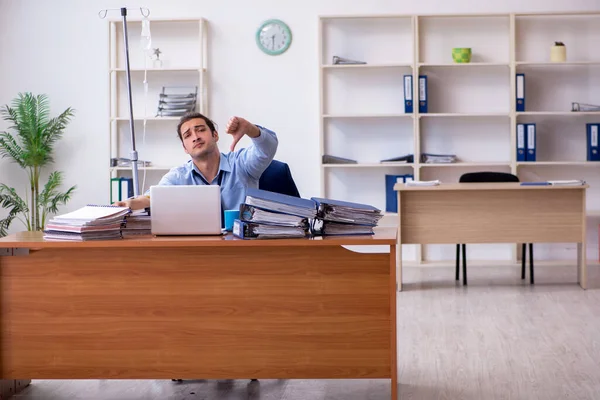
[31,146]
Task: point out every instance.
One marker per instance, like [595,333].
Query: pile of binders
[336,217]
[269,215]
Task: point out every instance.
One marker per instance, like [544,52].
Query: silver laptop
[186,210]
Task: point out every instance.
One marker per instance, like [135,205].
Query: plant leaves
[14,203]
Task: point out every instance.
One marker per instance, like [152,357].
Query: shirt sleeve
[257,157]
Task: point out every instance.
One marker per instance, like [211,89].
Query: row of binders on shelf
[408,94]
[527,142]
[270,215]
[391,196]
[120,189]
[519,104]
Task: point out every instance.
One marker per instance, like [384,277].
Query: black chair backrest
[488,176]
[278,178]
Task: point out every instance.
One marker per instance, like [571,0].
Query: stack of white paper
[572,182]
[423,183]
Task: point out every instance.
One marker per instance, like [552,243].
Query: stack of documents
[347,212]
[423,183]
[438,158]
[257,215]
[337,60]
[573,182]
[91,222]
[281,203]
[137,223]
[252,230]
[270,215]
[335,217]
[322,227]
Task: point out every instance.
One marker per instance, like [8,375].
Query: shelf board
[558,113]
[466,115]
[182,69]
[366,66]
[369,165]
[564,163]
[462,65]
[467,164]
[398,115]
[141,168]
[553,64]
[147,118]
[593,213]
[559,14]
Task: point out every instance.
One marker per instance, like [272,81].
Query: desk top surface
[35,240]
[485,186]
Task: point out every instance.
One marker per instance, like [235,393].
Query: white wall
[59,47]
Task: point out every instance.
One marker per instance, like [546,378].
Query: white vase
[558,53]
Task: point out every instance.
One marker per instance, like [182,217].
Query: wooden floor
[498,338]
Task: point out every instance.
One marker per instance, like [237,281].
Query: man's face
[198,141]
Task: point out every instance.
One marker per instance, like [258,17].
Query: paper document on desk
[93,215]
[572,182]
[423,183]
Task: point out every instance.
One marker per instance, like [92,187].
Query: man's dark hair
[193,115]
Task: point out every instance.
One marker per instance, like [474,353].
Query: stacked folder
[335,217]
[269,215]
[91,222]
[136,224]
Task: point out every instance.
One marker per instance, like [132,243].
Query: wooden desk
[198,308]
[493,213]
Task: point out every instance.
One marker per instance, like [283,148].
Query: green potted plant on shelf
[31,146]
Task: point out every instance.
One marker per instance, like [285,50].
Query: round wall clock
[273,37]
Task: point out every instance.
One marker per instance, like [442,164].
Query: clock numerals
[273,37]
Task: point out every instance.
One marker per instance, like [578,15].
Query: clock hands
[273,40]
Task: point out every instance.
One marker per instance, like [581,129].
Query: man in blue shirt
[234,171]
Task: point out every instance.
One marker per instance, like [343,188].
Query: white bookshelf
[183,46]
[471,107]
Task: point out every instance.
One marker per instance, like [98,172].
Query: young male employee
[234,172]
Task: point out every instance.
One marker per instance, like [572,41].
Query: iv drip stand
[134,154]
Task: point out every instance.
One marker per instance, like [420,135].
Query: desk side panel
[304,312]
[491,216]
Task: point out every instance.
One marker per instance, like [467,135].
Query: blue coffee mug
[230,216]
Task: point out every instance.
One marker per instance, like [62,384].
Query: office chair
[278,178]
[479,177]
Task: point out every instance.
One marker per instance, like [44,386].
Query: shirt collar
[224,164]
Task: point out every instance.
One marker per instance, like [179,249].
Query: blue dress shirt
[238,170]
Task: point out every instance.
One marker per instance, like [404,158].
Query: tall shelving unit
[471,107]
[183,47]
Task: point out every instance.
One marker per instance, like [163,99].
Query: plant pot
[558,53]
[461,54]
